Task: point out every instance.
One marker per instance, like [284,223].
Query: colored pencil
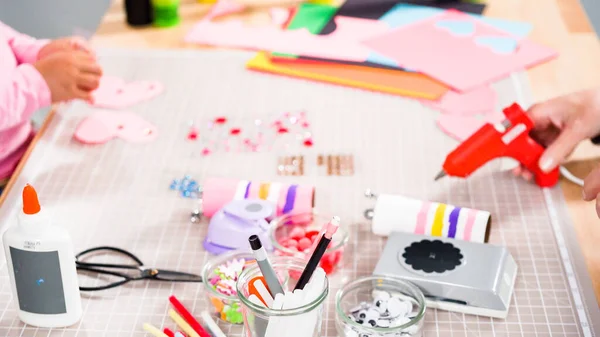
[168,332]
[182,324]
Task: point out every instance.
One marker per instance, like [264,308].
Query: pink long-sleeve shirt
[23,91]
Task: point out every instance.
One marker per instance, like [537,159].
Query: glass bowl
[303,229]
[220,284]
[364,308]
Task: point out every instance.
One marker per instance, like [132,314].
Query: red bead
[308,143]
[235,131]
[220,120]
[193,135]
[282,130]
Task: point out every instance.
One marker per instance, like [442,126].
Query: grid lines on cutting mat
[118,194]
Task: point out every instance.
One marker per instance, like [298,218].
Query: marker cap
[255,243]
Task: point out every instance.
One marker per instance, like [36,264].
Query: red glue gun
[509,138]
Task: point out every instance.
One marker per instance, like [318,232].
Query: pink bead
[290,243]
[297,233]
[304,243]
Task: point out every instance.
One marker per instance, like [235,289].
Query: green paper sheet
[312,17]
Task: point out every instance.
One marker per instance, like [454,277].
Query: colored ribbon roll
[396,213]
[288,198]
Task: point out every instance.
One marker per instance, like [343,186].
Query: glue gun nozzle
[440,175]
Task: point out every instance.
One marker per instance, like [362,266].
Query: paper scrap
[115,93]
[462,127]
[103,125]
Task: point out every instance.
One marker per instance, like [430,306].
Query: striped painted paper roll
[395,213]
[289,198]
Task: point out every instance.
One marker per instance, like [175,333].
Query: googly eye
[383,323]
[380,306]
[359,321]
[396,307]
[362,314]
[381,295]
[372,314]
[372,322]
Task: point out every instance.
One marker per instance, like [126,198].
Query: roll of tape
[396,213]
[288,198]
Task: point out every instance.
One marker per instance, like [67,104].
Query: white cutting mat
[117,194]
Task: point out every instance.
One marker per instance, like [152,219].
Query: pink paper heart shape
[115,93]
[462,127]
[102,126]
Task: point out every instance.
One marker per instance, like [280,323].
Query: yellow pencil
[153,330]
[182,324]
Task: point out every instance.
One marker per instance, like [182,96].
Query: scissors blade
[176,276]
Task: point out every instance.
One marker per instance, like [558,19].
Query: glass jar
[306,227]
[303,321]
[221,291]
[357,302]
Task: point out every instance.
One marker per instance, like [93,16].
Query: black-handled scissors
[144,273]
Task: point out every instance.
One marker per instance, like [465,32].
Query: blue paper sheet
[405,14]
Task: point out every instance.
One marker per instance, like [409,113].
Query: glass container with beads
[220,276]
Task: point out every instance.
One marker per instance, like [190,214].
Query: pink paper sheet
[462,127]
[224,7]
[459,59]
[102,126]
[342,44]
[480,100]
[115,93]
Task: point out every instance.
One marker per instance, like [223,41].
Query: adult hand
[65,45]
[561,124]
[70,75]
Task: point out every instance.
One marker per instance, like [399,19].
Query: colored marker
[313,263]
[260,254]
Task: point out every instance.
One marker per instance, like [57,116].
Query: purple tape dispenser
[231,226]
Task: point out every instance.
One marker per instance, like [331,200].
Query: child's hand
[65,44]
[70,75]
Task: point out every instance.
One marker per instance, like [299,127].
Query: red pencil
[188,317]
[168,332]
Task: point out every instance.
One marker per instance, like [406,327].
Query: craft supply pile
[271,252]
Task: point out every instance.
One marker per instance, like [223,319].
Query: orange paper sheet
[381,80]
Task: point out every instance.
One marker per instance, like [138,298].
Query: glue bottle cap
[31,204]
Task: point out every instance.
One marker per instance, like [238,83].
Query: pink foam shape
[480,100]
[222,8]
[342,44]
[279,16]
[457,61]
[115,93]
[462,127]
[102,126]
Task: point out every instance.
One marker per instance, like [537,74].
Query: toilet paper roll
[288,198]
[396,213]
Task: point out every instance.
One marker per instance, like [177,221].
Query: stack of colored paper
[447,56]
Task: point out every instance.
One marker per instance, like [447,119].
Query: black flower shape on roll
[432,256]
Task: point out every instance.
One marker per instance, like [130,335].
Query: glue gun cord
[570,177]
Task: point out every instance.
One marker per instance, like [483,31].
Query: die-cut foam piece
[480,100]
[115,93]
[462,127]
[224,7]
[457,27]
[458,62]
[279,16]
[343,44]
[102,126]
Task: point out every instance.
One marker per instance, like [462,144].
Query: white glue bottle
[41,268]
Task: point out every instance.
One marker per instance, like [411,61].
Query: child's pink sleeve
[23,91]
[25,47]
